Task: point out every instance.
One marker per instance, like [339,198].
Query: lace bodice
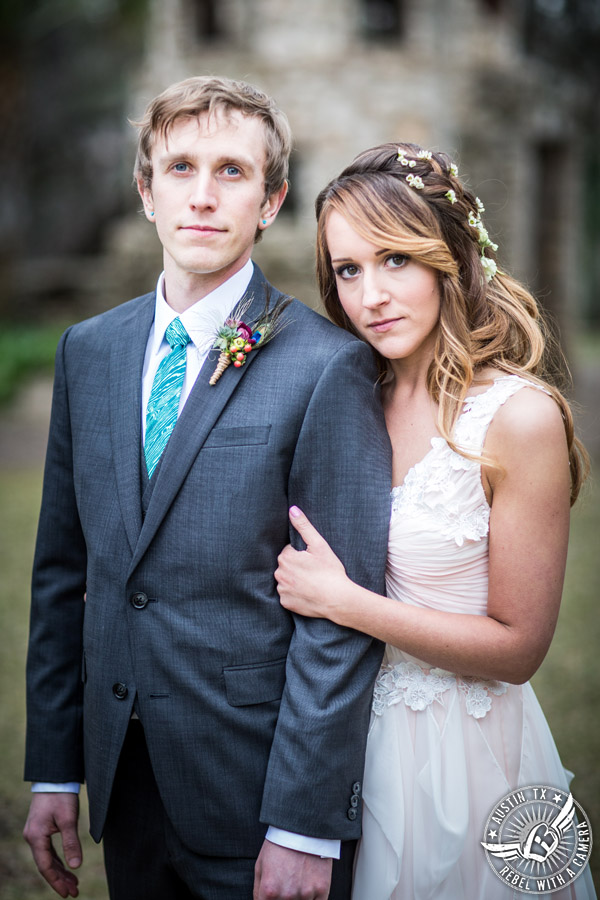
[434,485]
[438,553]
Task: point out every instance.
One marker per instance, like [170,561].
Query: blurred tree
[64,75]
[566,34]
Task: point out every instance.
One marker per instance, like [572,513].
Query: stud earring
[264,221]
[152,213]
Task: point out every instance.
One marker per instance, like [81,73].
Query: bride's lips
[384,324]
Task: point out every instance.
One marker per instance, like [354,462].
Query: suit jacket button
[352,814]
[354,801]
[356,787]
[120,690]
[138,600]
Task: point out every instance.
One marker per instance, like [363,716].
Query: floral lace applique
[419,688]
[430,488]
[477,693]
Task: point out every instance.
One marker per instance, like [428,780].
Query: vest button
[138,600]
[120,690]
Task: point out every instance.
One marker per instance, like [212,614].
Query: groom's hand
[55,814]
[284,874]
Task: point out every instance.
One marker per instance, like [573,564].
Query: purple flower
[244,331]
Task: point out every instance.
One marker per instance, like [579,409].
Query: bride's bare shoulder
[528,422]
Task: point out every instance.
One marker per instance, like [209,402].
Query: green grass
[25,350]
[567,684]
[19,500]
[588,346]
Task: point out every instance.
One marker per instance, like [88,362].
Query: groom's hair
[207,94]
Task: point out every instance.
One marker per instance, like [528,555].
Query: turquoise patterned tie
[163,404]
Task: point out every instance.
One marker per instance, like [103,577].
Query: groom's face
[208,193]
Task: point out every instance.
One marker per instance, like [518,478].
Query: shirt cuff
[327,849]
[47,787]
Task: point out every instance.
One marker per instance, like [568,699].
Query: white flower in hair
[424,154]
[483,239]
[415,181]
[403,159]
[454,169]
[450,195]
[489,267]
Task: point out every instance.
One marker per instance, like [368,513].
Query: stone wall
[456,76]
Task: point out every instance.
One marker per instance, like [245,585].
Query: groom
[210,726]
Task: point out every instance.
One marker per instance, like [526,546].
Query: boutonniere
[235,339]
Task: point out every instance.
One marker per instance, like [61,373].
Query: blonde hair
[495,323]
[207,94]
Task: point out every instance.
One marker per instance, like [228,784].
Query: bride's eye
[396,260]
[347,271]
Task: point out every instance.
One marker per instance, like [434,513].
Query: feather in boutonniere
[235,339]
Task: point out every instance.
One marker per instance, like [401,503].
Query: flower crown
[474,219]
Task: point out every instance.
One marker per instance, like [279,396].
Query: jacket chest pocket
[237,436]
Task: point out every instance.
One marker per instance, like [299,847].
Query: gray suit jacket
[251,715]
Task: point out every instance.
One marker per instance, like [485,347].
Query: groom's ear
[145,192]
[272,205]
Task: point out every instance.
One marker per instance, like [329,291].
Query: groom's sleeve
[54,744]
[341,478]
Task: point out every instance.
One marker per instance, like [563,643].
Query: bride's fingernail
[295,512]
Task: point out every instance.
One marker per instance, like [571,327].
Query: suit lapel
[202,409]
[127,360]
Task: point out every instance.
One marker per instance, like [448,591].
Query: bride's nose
[374,293]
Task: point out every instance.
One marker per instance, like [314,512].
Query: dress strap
[478,411]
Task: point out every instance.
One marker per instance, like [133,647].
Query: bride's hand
[310,582]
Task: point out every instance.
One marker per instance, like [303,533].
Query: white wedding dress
[444,749]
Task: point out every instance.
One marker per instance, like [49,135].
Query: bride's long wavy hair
[482,323]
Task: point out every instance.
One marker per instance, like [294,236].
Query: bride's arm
[529,525]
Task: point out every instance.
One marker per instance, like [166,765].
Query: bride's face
[392,301]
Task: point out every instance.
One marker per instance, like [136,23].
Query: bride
[485,466]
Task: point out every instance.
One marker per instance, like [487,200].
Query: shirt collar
[202,320]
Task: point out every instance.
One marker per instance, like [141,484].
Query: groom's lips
[203,229]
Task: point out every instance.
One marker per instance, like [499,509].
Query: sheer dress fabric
[444,749]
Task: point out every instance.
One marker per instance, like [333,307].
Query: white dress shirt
[201,321]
